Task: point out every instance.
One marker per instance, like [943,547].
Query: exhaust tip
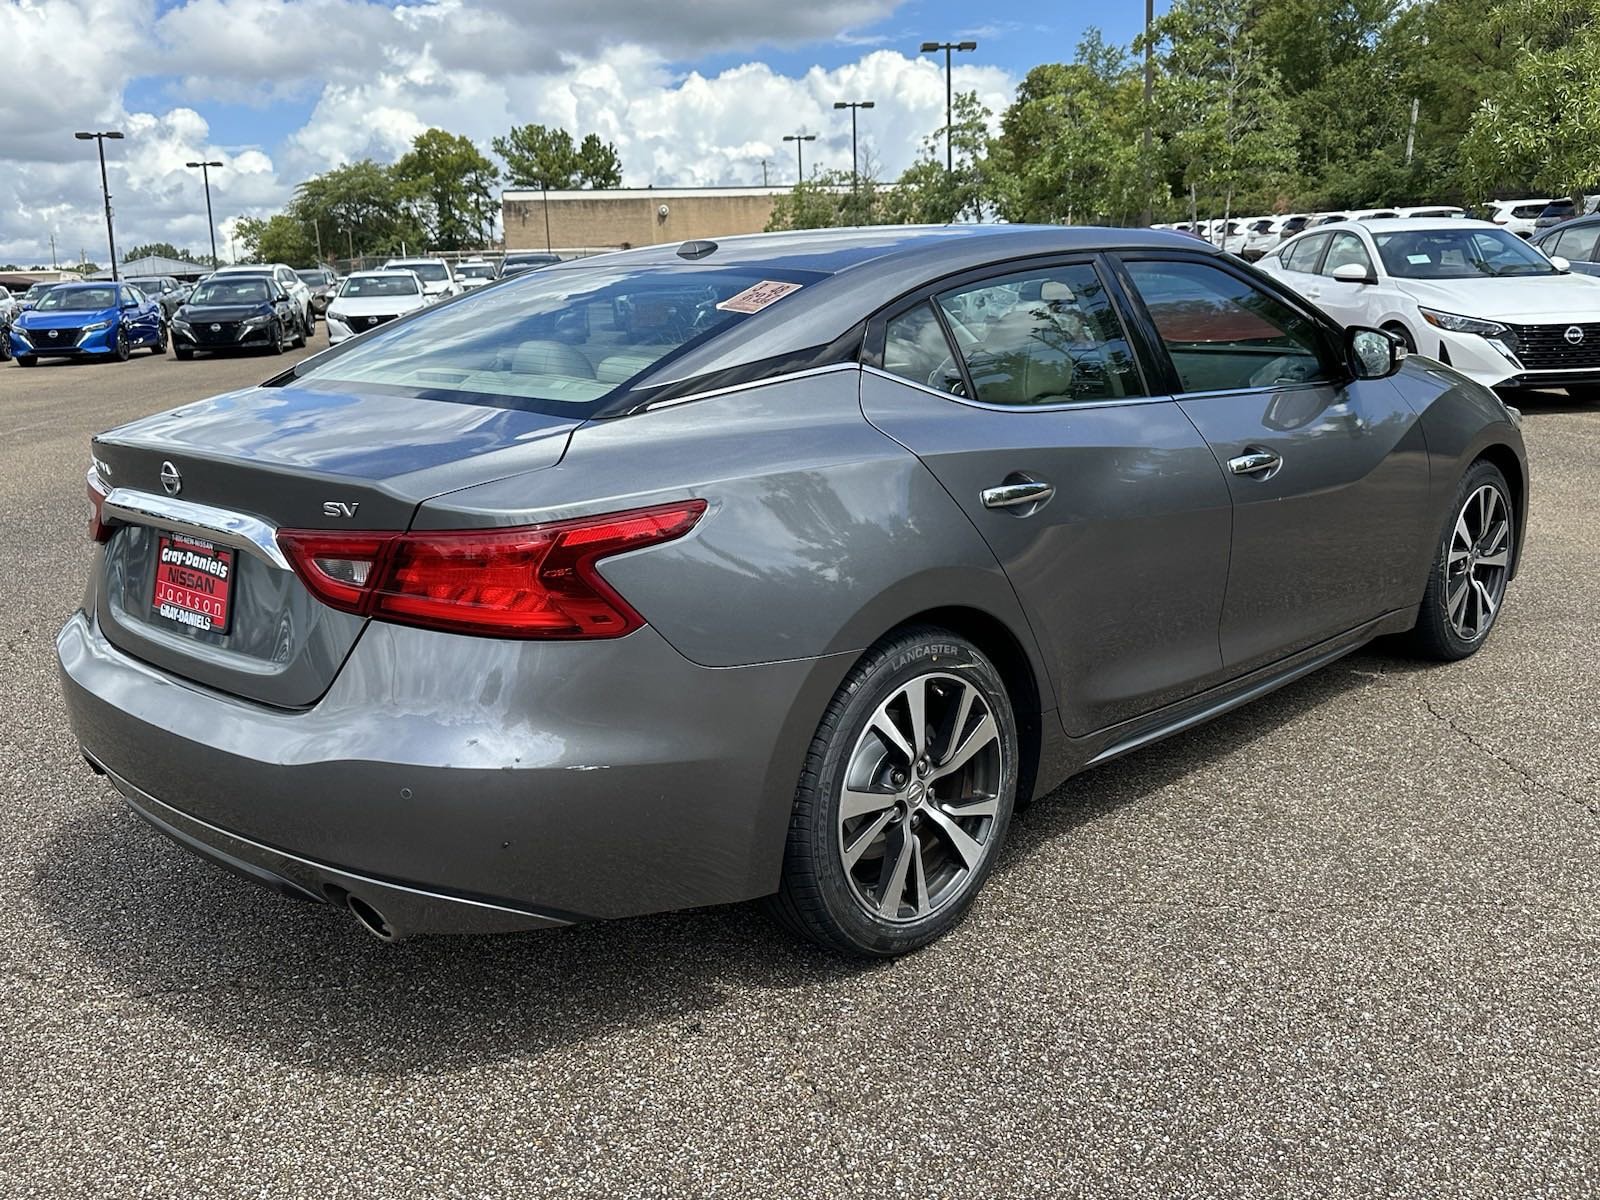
[370,919]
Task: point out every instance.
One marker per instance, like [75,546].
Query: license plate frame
[193,585]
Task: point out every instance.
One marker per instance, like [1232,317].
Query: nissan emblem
[171,481]
[1574,335]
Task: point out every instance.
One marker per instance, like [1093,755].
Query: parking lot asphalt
[1343,942]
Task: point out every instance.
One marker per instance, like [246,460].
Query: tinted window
[554,341]
[1225,334]
[915,348]
[1302,256]
[1048,336]
[1343,250]
[1575,244]
[393,283]
[223,290]
[1527,211]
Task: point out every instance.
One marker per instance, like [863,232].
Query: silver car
[785,567]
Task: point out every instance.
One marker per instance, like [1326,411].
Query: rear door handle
[1017,491]
[1255,462]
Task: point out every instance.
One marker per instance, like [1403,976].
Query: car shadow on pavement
[301,983]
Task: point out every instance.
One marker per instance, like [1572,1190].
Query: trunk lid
[284,458]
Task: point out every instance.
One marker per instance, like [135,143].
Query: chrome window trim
[250,534]
[808,373]
[1065,405]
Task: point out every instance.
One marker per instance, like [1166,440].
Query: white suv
[1515,216]
[438,280]
[289,281]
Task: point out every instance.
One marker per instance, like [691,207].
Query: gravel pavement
[1342,943]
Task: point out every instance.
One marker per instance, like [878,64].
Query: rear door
[1021,392]
[1328,475]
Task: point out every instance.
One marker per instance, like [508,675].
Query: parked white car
[1431,210]
[1517,216]
[474,273]
[1374,214]
[368,299]
[1264,233]
[438,280]
[10,305]
[1465,292]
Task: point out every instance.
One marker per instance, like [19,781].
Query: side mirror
[1353,273]
[1560,263]
[1373,353]
[130,305]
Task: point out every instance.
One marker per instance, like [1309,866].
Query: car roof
[1407,224]
[379,272]
[860,270]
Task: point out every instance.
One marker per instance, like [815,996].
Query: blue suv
[88,320]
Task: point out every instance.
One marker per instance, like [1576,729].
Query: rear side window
[915,348]
[1302,256]
[1047,336]
[1527,211]
[1225,334]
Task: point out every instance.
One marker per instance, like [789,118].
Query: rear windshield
[553,341]
[475,271]
[428,272]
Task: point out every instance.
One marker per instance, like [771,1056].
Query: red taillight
[99,531]
[537,581]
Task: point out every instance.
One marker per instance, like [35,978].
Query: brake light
[99,531]
[536,581]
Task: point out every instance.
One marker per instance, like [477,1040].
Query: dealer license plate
[194,582]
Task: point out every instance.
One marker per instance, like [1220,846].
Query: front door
[1327,473]
[1103,503]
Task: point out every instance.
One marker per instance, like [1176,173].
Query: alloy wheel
[920,796]
[1477,563]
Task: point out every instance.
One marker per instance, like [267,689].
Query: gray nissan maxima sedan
[780,566]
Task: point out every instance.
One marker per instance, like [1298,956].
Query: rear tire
[182,353]
[275,339]
[898,817]
[26,360]
[1472,564]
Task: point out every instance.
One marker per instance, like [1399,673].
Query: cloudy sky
[691,91]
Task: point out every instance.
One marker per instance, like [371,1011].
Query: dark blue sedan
[88,320]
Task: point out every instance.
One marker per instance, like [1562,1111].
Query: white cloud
[378,75]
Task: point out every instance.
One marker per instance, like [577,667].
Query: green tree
[356,209]
[448,188]
[276,239]
[1544,123]
[158,250]
[1220,102]
[537,156]
[927,193]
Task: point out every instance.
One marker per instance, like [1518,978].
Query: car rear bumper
[464,784]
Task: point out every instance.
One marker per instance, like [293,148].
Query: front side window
[1047,336]
[552,341]
[1346,250]
[1224,333]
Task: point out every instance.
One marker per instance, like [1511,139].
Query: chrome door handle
[1015,494]
[1254,462]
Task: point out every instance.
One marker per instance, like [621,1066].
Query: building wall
[630,217]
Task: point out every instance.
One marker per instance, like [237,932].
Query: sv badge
[339,508]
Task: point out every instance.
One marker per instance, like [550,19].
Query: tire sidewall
[864,692]
[1438,602]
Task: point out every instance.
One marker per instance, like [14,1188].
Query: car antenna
[696,249]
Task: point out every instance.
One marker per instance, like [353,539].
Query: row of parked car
[262,306]
[1253,237]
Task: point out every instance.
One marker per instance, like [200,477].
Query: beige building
[618,217]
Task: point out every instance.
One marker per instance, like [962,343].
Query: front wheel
[904,799]
[1404,334]
[122,349]
[161,341]
[275,339]
[1471,566]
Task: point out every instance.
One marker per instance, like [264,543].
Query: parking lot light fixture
[799,140]
[855,158]
[105,188]
[205,173]
[949,93]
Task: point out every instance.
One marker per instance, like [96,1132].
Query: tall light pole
[855,158]
[205,173]
[949,93]
[1149,87]
[799,140]
[105,188]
